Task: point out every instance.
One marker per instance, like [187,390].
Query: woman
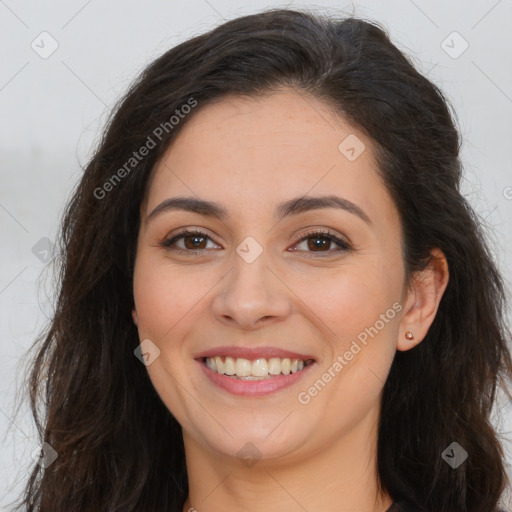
[273,294]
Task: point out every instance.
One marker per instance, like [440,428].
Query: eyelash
[344,246]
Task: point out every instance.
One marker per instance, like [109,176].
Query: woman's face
[262,284]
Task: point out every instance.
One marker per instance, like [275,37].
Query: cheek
[164,297]
[168,303]
[354,299]
[357,306]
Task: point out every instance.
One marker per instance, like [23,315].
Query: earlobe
[422,302]
[134,316]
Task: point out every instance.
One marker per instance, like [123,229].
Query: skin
[250,154]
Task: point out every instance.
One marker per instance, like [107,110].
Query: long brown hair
[119,448]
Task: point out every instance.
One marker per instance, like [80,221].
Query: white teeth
[219,365]
[258,369]
[274,366]
[229,366]
[243,367]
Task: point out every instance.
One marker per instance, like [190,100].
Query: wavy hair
[119,448]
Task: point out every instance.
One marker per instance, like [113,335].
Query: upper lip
[253,353]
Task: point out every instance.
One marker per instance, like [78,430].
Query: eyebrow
[291,207]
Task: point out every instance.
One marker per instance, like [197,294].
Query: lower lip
[254,387]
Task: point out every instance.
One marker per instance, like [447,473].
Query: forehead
[284,122]
[246,152]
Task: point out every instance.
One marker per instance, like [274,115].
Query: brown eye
[322,242]
[319,242]
[194,241]
[188,241]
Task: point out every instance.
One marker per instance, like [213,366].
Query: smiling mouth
[257,369]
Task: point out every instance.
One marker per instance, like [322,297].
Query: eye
[317,242]
[188,241]
[320,242]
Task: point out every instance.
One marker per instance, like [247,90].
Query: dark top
[401,506]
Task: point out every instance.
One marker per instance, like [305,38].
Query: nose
[251,295]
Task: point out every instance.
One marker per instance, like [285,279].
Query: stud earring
[409,335]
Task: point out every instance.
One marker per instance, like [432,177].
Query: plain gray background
[53,108]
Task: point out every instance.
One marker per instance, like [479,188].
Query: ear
[134,316]
[422,300]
